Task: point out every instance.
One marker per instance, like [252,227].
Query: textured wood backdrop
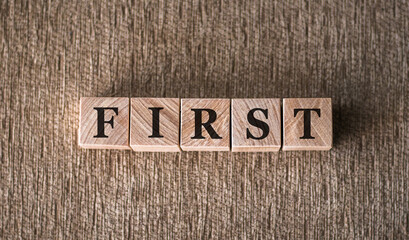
[52,53]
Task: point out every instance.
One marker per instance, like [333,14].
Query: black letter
[101,121]
[307,120]
[207,125]
[155,123]
[258,123]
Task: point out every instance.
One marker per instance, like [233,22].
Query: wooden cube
[307,124]
[104,123]
[205,124]
[155,124]
[256,125]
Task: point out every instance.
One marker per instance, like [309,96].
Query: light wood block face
[256,125]
[104,123]
[154,124]
[205,124]
[307,124]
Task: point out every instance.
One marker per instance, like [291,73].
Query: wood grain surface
[54,52]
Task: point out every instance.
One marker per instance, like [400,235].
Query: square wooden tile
[104,123]
[155,124]
[211,137]
[256,125]
[307,124]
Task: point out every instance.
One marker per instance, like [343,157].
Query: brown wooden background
[52,53]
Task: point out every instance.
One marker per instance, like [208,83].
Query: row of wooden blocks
[171,124]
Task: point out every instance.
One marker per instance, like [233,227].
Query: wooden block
[155,124]
[256,125]
[307,124]
[104,123]
[205,124]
